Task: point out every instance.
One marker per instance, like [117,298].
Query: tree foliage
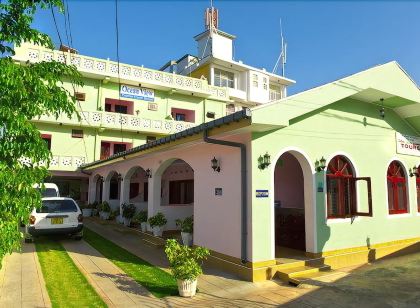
[26,91]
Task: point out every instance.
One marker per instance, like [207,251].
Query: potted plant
[95,208]
[128,211]
[185,264]
[186,225]
[156,223]
[104,211]
[141,217]
[87,210]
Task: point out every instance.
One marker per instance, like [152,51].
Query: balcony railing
[108,68]
[275,95]
[61,163]
[118,121]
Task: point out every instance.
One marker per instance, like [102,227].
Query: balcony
[237,94]
[118,121]
[62,163]
[135,74]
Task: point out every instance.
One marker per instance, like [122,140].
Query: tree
[26,91]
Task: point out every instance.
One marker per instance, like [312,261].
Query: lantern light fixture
[382,109]
[415,171]
[215,164]
[320,164]
[148,173]
[119,177]
[264,161]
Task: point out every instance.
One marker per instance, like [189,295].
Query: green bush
[184,261]
[128,210]
[187,225]
[158,220]
[141,216]
[104,207]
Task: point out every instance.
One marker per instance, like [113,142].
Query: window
[150,139]
[47,139]
[341,190]
[105,150]
[181,192]
[210,114]
[255,80]
[265,85]
[119,106]
[223,78]
[77,133]
[119,147]
[179,116]
[134,190]
[397,189]
[185,115]
[79,96]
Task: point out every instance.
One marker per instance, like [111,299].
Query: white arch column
[153,203]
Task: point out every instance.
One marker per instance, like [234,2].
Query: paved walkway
[21,280]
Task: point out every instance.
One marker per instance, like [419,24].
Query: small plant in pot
[185,264]
[104,211]
[141,217]
[128,211]
[156,223]
[187,226]
[95,208]
[87,210]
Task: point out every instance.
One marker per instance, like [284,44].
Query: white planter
[143,226]
[104,215]
[94,212]
[157,231]
[120,219]
[127,221]
[87,212]
[187,288]
[187,238]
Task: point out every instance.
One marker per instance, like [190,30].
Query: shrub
[184,261]
[187,225]
[128,210]
[158,220]
[141,216]
[104,207]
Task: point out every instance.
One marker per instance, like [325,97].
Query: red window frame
[108,149]
[47,138]
[341,190]
[396,181]
[418,188]
[111,104]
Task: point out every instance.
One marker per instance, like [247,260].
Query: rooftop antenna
[283,54]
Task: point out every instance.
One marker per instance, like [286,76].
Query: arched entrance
[136,188]
[290,199]
[98,189]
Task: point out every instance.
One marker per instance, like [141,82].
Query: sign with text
[261,193]
[408,145]
[137,93]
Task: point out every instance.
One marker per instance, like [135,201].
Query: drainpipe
[244,190]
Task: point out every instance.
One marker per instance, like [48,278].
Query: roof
[234,117]
[219,32]
[388,81]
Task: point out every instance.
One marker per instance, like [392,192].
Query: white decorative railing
[60,162]
[109,68]
[112,120]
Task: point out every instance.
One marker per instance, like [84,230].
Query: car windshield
[57,206]
[48,192]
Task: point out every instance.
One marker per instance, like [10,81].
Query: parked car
[51,190]
[56,216]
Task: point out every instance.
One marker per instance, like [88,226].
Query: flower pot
[187,238]
[94,212]
[87,212]
[187,288]
[157,231]
[104,215]
[120,219]
[143,226]
[127,221]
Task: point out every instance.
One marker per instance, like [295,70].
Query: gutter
[244,190]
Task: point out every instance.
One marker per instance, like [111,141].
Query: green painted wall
[355,129]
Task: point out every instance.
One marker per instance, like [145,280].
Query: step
[309,277]
[286,274]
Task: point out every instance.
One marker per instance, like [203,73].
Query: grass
[66,285]
[157,281]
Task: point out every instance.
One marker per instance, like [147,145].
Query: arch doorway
[289,204]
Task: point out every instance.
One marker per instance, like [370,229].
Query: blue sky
[326,39]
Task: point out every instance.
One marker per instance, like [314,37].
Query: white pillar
[153,203]
[124,193]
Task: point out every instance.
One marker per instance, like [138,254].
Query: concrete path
[21,280]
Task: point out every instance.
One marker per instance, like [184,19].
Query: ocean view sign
[408,145]
[137,93]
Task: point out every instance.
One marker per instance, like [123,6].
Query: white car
[51,190]
[56,216]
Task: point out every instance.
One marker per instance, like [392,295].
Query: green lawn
[157,281]
[66,285]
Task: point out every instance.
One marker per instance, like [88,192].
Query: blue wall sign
[137,93]
[261,193]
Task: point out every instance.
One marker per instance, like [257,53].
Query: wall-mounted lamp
[137,112]
[119,177]
[320,164]
[148,173]
[101,178]
[382,109]
[215,164]
[415,171]
[264,161]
